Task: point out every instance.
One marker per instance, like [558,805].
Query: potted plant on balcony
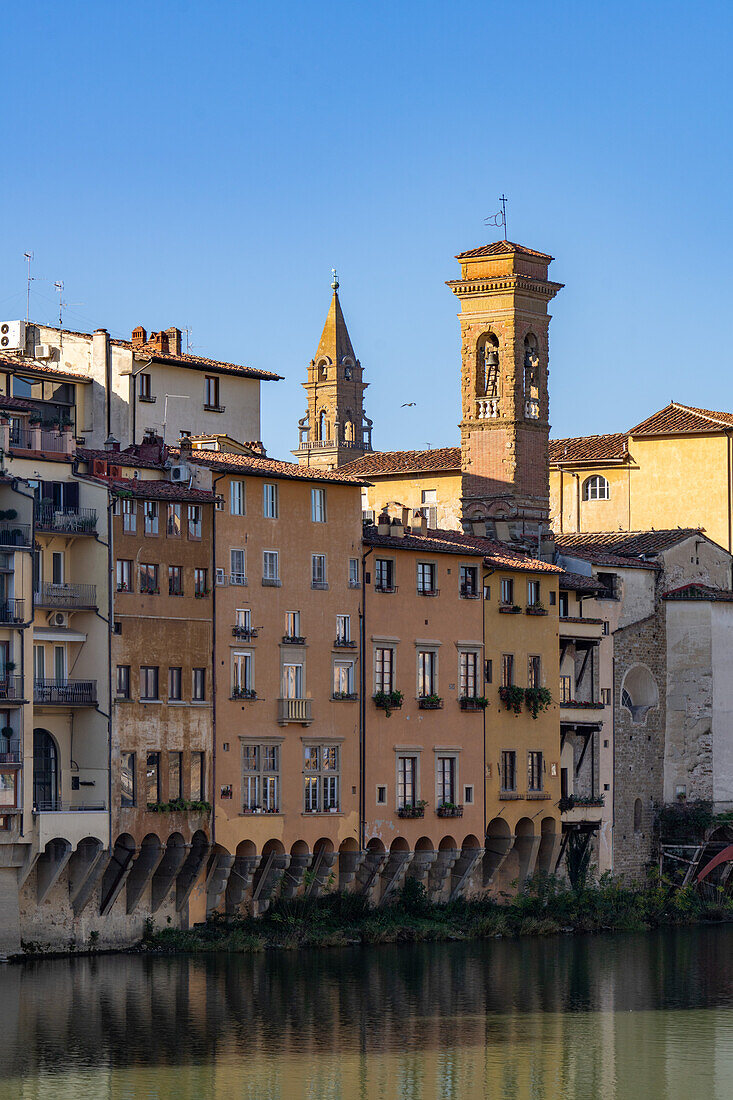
[388,701]
[512,697]
[510,609]
[430,702]
[537,699]
[449,809]
[243,693]
[473,702]
[536,609]
[344,695]
[413,809]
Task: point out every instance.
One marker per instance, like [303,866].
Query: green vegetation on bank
[544,906]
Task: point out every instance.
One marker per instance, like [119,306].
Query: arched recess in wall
[487,365]
[323,428]
[45,770]
[639,693]
[596,488]
[637,815]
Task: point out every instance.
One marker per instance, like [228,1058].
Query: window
[381,796]
[57,567]
[260,778]
[175,580]
[406,781]
[148,682]
[127,779]
[198,691]
[152,778]
[507,591]
[318,571]
[148,578]
[124,575]
[150,514]
[270,567]
[606,696]
[194,521]
[445,780]
[236,498]
[237,569]
[426,574]
[269,500]
[469,581]
[318,505]
[468,795]
[292,681]
[174,685]
[507,669]
[343,678]
[144,387]
[175,776]
[489,671]
[198,777]
[243,619]
[534,677]
[429,499]
[129,516]
[508,770]
[610,586]
[384,575]
[292,624]
[8,791]
[173,521]
[469,675]
[241,673]
[211,392]
[596,488]
[200,587]
[564,608]
[353,572]
[553,599]
[321,779]
[639,693]
[383,669]
[533,593]
[566,689]
[343,629]
[534,771]
[123,681]
[426,673]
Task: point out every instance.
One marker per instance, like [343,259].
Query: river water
[646,1016]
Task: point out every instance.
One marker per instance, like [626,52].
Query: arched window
[323,432]
[487,366]
[322,371]
[596,488]
[45,770]
[637,815]
[639,693]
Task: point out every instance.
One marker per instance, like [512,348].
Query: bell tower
[334,430]
[504,293]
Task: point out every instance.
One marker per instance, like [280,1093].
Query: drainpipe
[31,497]
[214,483]
[133,376]
[485,577]
[577,503]
[362,704]
[562,485]
[729,437]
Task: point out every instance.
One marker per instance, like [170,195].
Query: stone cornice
[491,284]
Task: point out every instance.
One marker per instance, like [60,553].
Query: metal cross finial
[335,283]
[499,219]
[503,201]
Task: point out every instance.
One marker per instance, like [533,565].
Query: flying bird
[408,405]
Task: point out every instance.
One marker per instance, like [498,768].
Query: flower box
[243,693]
[449,809]
[388,701]
[416,810]
[344,695]
[536,609]
[509,609]
[473,702]
[430,702]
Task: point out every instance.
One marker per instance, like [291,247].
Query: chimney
[383,523]
[174,340]
[139,337]
[419,523]
[396,530]
[405,517]
[185,446]
[102,371]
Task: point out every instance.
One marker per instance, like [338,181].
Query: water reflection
[644,1016]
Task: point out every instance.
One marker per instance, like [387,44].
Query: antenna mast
[59,286]
[29,260]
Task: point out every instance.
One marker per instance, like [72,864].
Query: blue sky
[206,164]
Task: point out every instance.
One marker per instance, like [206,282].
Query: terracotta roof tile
[16,403]
[696,591]
[589,448]
[621,547]
[499,248]
[393,462]
[229,462]
[119,458]
[676,418]
[438,541]
[30,366]
[578,582]
[162,490]
[199,362]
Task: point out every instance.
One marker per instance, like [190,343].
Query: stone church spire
[334,430]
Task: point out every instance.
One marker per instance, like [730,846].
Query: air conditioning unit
[42,351]
[179,473]
[58,618]
[12,335]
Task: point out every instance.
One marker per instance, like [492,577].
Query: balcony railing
[66,595]
[11,611]
[72,521]
[293,639]
[65,693]
[428,591]
[294,710]
[11,687]
[35,439]
[332,444]
[15,534]
[10,751]
[245,632]
[344,643]
[55,807]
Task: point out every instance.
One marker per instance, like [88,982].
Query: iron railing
[69,693]
[11,611]
[53,806]
[66,595]
[74,521]
[11,686]
[15,534]
[10,751]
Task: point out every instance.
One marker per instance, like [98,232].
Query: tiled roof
[118,458]
[161,490]
[578,582]
[621,547]
[437,541]
[30,366]
[499,248]
[589,448]
[696,591]
[199,362]
[676,418]
[395,462]
[17,403]
[229,462]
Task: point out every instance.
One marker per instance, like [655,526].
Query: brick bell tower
[504,293]
[335,429]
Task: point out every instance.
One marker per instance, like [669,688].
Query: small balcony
[469,592]
[12,611]
[344,643]
[294,710]
[66,521]
[65,693]
[389,588]
[576,809]
[428,591]
[36,439]
[66,596]
[293,639]
[10,750]
[430,702]
[573,629]
[246,633]
[11,687]
[14,534]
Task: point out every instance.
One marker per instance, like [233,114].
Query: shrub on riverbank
[545,906]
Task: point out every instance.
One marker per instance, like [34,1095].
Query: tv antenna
[59,288]
[499,219]
[29,261]
[188,331]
